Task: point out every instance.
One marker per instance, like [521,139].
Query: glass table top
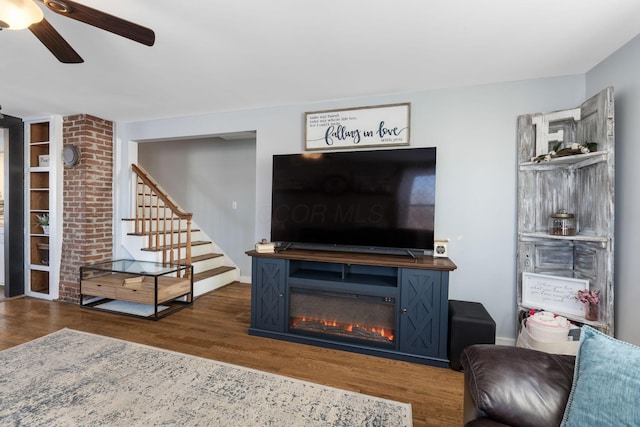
[136,267]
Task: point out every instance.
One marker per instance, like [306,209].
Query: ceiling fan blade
[49,37]
[102,20]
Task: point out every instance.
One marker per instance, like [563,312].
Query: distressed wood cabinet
[582,184]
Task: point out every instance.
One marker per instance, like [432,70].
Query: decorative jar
[562,223]
[591,311]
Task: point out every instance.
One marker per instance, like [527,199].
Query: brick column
[87,231]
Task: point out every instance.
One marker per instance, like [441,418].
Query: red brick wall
[87,213]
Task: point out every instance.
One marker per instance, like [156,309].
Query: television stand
[383,305]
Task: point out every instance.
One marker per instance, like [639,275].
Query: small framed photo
[43,160]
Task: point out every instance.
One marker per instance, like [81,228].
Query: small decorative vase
[591,311]
[45,229]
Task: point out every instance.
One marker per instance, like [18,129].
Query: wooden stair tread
[151,218]
[181,245]
[211,273]
[146,233]
[200,258]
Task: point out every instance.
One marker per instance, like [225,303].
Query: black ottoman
[469,323]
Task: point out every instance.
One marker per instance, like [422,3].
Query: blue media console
[383,305]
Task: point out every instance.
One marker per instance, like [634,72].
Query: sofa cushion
[518,386]
[606,385]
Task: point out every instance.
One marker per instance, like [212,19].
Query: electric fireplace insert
[343,316]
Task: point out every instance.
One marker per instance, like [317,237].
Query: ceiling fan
[21,14]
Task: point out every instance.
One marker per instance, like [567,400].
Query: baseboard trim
[510,342]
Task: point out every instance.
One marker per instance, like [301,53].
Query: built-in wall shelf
[43,139]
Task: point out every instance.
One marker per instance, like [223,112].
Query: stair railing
[165,229]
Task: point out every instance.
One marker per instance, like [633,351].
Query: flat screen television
[364,201]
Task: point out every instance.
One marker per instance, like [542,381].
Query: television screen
[355,200]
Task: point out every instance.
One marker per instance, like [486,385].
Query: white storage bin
[560,347]
[546,326]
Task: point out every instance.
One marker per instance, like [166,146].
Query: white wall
[215,180]
[474,129]
[621,71]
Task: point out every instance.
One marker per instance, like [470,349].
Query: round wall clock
[70,155]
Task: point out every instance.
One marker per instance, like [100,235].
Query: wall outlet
[441,248]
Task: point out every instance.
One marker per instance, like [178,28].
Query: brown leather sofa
[514,386]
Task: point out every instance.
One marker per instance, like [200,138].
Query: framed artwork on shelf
[552,293]
[43,160]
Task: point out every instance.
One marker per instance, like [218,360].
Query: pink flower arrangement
[588,297]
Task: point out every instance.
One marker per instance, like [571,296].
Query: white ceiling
[227,55]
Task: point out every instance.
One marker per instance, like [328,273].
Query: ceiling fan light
[19,14]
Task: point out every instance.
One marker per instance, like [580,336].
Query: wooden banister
[165,229]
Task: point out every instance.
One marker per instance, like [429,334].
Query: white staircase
[145,238]
[212,268]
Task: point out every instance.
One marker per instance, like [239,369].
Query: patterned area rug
[80,379]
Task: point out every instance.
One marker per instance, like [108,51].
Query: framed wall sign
[43,160]
[375,126]
[552,293]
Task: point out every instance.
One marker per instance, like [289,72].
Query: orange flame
[345,326]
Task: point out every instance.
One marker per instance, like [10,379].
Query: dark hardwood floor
[215,327]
